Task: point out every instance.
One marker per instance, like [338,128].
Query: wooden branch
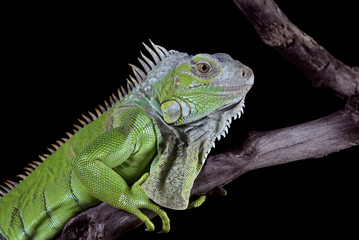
[314,139]
[320,67]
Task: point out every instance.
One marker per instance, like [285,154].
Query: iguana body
[177,107]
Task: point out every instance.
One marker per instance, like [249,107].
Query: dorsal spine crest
[158,53]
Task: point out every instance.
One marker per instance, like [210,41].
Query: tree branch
[314,139]
[319,66]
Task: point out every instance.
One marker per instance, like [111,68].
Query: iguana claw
[198,202]
[142,201]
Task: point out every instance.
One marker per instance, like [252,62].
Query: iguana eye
[203,67]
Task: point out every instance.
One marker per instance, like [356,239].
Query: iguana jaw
[225,124]
[237,87]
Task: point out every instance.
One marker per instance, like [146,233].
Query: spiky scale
[97,112]
[88,120]
[37,163]
[34,166]
[11,183]
[103,110]
[152,65]
[29,169]
[163,50]
[112,102]
[134,81]
[130,86]
[159,52]
[107,105]
[153,54]
[114,97]
[144,65]
[55,146]
[120,96]
[93,116]
[124,93]
[82,122]
[50,150]
[77,126]
[22,176]
[139,74]
[5,188]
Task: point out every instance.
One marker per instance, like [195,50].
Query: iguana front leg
[144,202]
[126,150]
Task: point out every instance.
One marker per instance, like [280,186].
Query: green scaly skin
[144,152]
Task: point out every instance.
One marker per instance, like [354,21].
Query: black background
[61,60]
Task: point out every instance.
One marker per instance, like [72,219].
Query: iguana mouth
[218,88]
[229,87]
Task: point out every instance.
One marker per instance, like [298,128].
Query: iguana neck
[182,152]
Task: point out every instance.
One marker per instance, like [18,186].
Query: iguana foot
[198,202]
[138,199]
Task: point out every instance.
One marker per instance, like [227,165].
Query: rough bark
[313,139]
[319,66]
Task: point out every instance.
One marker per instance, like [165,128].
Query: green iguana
[143,151]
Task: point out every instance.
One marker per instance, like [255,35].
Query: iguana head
[200,85]
[194,100]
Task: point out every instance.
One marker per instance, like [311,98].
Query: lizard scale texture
[142,149]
